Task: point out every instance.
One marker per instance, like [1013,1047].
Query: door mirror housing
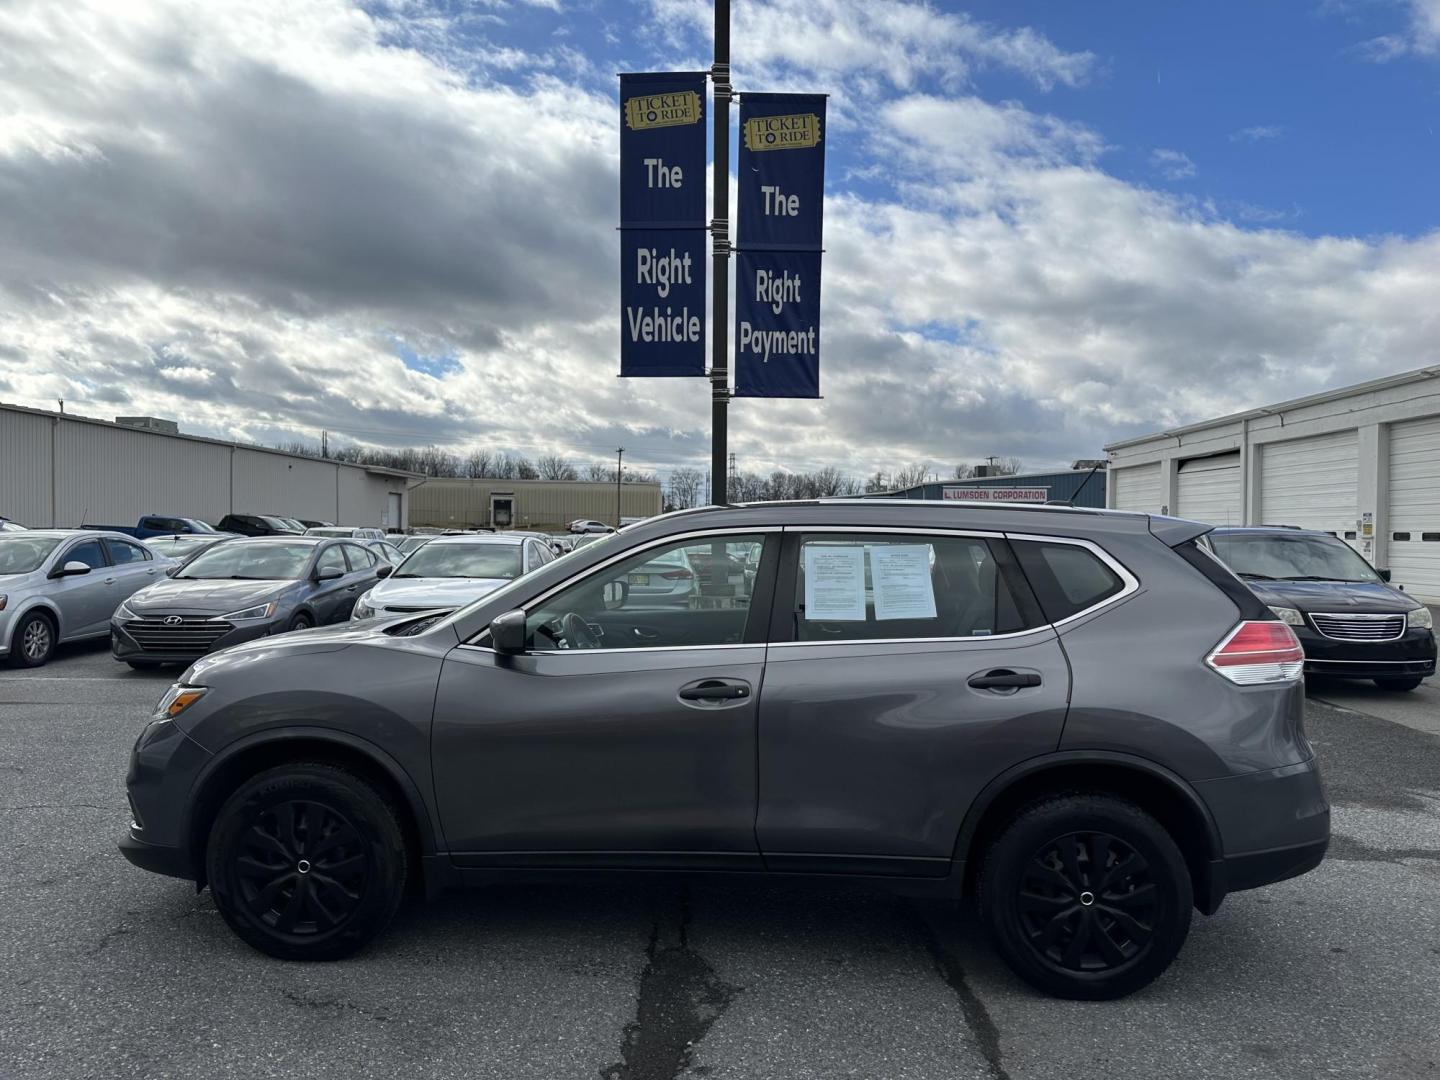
[1384,575]
[616,593]
[171,571]
[329,573]
[73,568]
[507,632]
[384,570]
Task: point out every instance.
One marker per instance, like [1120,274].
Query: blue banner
[781,176]
[662,224]
[777,324]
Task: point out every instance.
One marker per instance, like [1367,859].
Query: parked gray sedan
[61,585]
[450,572]
[238,590]
[1079,716]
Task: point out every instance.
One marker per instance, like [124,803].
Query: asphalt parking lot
[106,971]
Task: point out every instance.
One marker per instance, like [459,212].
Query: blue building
[1079,485]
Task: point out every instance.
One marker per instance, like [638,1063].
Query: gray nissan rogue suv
[1078,716]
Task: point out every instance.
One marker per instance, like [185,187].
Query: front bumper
[163,769]
[1411,654]
[126,642]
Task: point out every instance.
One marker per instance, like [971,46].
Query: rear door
[603,746]
[906,669]
[133,566]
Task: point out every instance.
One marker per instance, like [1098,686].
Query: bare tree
[878,482]
[911,476]
[963,472]
[555,467]
[599,472]
[1006,466]
[684,488]
[524,470]
[478,464]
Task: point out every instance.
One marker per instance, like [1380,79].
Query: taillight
[1259,652]
[677,575]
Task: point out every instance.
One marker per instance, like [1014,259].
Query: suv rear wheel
[1086,896]
[1396,682]
[307,862]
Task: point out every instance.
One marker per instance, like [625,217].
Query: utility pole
[324,444]
[619,457]
[720,248]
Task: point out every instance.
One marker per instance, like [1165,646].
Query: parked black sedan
[1352,622]
[240,590]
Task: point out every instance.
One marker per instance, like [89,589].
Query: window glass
[853,587]
[333,558]
[249,560]
[89,553]
[122,551]
[696,592]
[20,554]
[360,558]
[1066,578]
[1298,557]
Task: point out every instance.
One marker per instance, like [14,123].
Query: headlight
[122,612]
[3,601]
[1419,619]
[1289,615]
[363,609]
[176,700]
[259,611]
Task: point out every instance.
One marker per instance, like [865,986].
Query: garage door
[1310,483]
[1137,488]
[1415,507]
[1210,489]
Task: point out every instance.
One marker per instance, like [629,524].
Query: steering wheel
[577,633]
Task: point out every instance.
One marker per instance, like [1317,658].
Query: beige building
[58,469]
[522,504]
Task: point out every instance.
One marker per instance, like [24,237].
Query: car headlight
[1421,619]
[124,611]
[3,601]
[363,609]
[176,700]
[259,611]
[1288,615]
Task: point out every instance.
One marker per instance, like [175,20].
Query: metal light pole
[720,240]
[619,457]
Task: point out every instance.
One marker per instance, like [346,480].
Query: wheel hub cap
[1088,902]
[301,868]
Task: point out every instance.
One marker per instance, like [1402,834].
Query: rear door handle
[715,690]
[1004,679]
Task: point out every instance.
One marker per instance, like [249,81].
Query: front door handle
[715,690]
[1004,679]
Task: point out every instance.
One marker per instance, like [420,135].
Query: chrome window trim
[1131,582]
[673,538]
[1044,628]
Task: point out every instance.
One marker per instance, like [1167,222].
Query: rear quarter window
[1067,579]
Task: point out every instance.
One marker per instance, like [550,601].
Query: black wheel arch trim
[1209,890]
[426,827]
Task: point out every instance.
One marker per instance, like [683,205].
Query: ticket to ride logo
[797,131]
[662,110]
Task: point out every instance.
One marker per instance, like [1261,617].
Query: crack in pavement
[977,1016]
[680,999]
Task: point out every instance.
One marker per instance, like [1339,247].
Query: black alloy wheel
[307,861]
[1086,895]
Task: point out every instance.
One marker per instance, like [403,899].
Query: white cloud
[1257,133]
[1421,37]
[1172,164]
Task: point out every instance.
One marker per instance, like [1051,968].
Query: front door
[625,732]
[86,601]
[905,671]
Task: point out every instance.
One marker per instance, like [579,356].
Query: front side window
[90,553]
[854,587]
[1301,557]
[694,592]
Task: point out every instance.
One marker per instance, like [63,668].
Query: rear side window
[360,558]
[857,587]
[122,551]
[1067,578]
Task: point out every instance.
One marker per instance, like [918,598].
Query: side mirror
[1384,574]
[73,568]
[171,571]
[616,593]
[329,573]
[384,570]
[507,632]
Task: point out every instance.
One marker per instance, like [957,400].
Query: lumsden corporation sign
[997,494]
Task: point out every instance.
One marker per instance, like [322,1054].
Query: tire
[1397,683]
[302,621]
[307,862]
[33,642]
[1037,877]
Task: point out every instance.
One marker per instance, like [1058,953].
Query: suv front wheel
[1086,896]
[307,862]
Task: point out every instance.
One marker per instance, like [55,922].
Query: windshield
[329,530]
[198,526]
[277,523]
[246,562]
[177,546]
[20,554]
[440,560]
[1291,558]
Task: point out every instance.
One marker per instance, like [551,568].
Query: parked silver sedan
[450,572]
[60,585]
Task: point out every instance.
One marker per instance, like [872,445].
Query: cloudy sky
[1048,225]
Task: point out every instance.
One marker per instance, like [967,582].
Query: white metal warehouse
[1362,462]
[57,469]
